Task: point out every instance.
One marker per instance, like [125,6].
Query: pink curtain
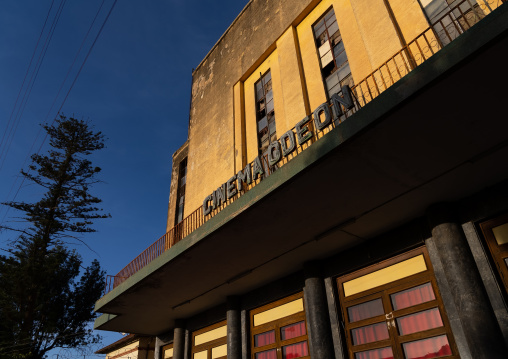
[293,331]
[370,333]
[383,353]
[269,354]
[419,322]
[414,296]
[297,350]
[264,339]
[428,348]
[365,310]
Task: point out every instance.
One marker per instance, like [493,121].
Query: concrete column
[316,309]
[244,314]
[179,340]
[234,325]
[160,341]
[337,334]
[482,332]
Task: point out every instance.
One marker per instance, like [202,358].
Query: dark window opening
[265,113]
[180,197]
[332,54]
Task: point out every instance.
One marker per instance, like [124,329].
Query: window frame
[261,147]
[208,346]
[180,192]
[498,253]
[164,348]
[276,325]
[390,315]
[346,80]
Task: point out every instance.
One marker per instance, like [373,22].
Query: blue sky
[134,87]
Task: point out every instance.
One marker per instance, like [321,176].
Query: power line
[49,111]
[28,90]
[68,91]
[26,74]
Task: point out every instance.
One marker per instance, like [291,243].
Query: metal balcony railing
[443,30]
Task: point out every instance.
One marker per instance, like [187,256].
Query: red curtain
[428,348]
[370,333]
[383,353]
[297,350]
[365,310]
[414,296]
[293,331]
[269,354]
[264,339]
[419,322]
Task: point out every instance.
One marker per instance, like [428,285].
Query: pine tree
[46,296]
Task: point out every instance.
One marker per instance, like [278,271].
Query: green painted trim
[493,25]
[103,319]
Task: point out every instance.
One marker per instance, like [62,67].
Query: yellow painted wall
[410,17]
[239,104]
[377,30]
[293,99]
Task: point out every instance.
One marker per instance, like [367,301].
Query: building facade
[343,192]
[131,346]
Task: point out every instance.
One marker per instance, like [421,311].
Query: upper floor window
[265,114]
[180,196]
[332,54]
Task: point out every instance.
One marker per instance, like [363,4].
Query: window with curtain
[399,318]
[279,330]
[332,53]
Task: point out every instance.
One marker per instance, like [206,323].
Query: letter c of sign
[207,209]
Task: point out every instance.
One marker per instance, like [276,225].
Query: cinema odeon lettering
[322,117]
[342,193]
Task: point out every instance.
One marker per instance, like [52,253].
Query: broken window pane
[269,106]
[333,29]
[334,63]
[262,124]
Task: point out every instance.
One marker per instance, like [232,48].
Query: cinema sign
[283,147]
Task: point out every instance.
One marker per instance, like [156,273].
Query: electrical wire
[68,91]
[30,85]
[49,111]
[26,74]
